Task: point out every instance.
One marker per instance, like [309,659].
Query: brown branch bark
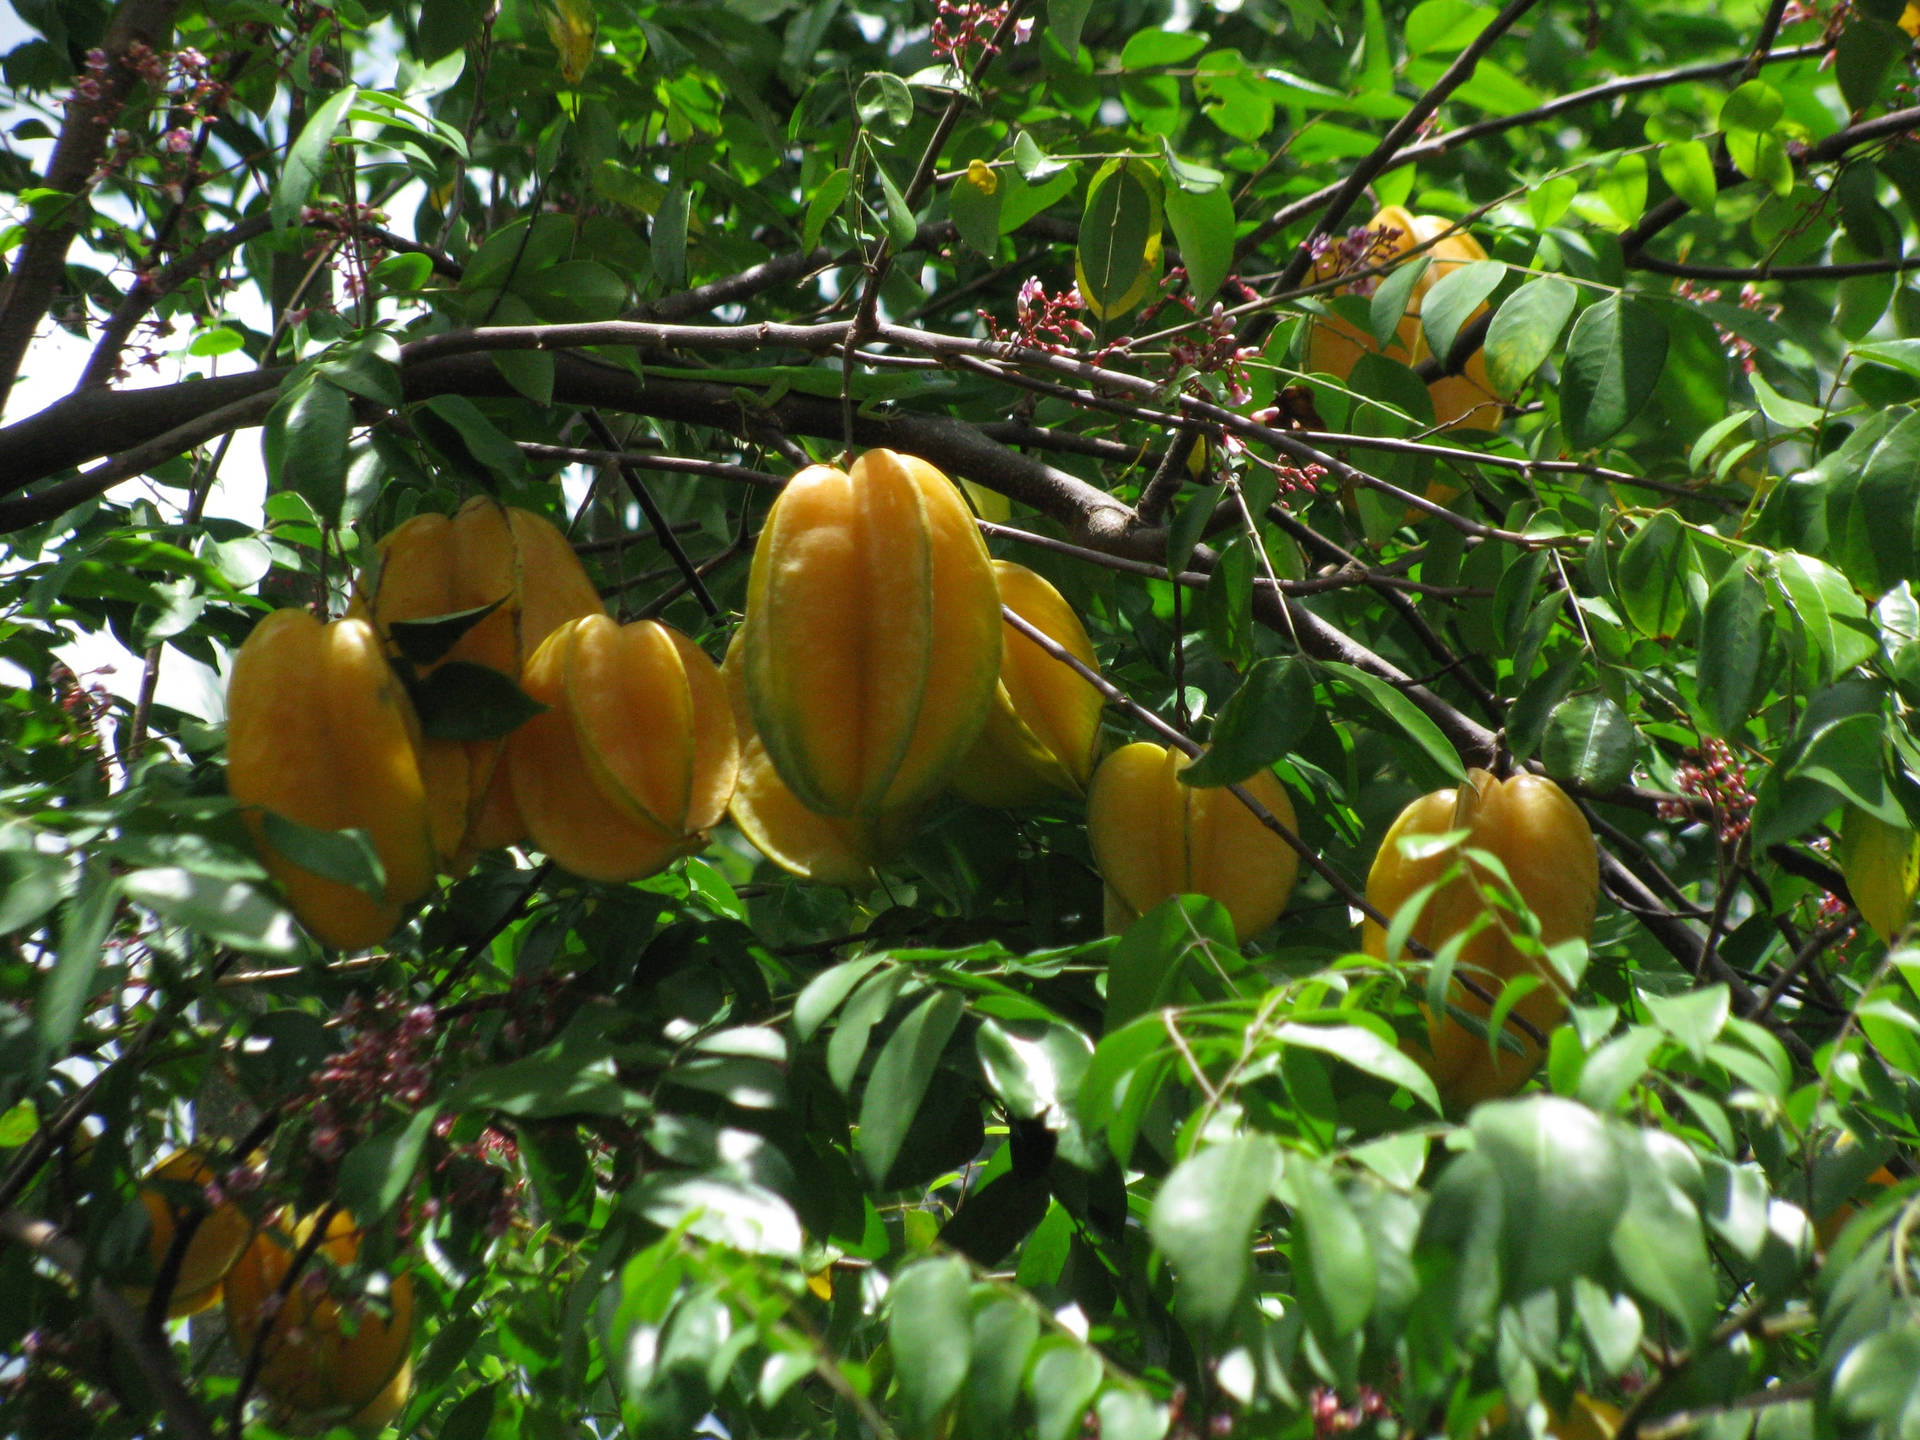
[28,291]
[147,1347]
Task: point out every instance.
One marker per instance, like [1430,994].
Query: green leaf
[1184,534]
[1203,228]
[1659,1243]
[1003,1336]
[1036,1068]
[1687,167]
[1867,52]
[305,440]
[829,197]
[1831,619]
[345,856]
[1267,716]
[976,213]
[1130,1415]
[668,238]
[900,1079]
[378,1171]
[1652,573]
[899,215]
[734,1213]
[462,700]
[1148,963]
[1364,1050]
[307,157]
[428,639]
[573,1075]
[1064,1381]
[233,913]
[1444,27]
[31,884]
[1226,605]
[1561,1180]
[1118,220]
[825,992]
[1622,190]
[884,100]
[1735,633]
[930,1329]
[1402,714]
[454,426]
[1525,329]
[1333,1263]
[1453,299]
[1614,359]
[1390,300]
[1147,48]
[64,994]
[1590,742]
[1203,1220]
[1064,21]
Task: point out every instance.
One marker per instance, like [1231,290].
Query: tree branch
[147,1347]
[27,292]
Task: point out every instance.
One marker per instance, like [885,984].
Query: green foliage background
[720,1148]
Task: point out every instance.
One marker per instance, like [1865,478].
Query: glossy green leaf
[1525,329]
[900,1079]
[1203,1220]
[1268,716]
[930,1330]
[1614,359]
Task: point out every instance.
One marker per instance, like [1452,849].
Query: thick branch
[147,1347]
[27,292]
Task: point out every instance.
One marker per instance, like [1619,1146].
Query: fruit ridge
[1154,838]
[872,635]
[320,730]
[1547,849]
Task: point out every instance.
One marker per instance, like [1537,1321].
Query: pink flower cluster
[1219,353]
[1736,347]
[962,30]
[1045,322]
[1359,249]
[386,1061]
[1331,1417]
[1718,777]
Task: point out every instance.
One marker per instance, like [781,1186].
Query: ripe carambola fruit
[1154,838]
[1043,731]
[1335,346]
[170,1195]
[431,565]
[872,637]
[320,1365]
[635,757]
[320,730]
[829,849]
[1543,840]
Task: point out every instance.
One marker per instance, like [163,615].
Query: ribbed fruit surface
[310,1364]
[433,565]
[872,634]
[635,757]
[1335,346]
[319,730]
[1043,732]
[828,849]
[1154,838]
[1544,842]
[221,1234]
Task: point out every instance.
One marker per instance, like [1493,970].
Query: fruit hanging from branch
[1154,838]
[872,635]
[1543,842]
[432,567]
[323,1360]
[320,732]
[1043,733]
[635,756]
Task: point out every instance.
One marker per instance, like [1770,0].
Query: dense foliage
[933,1154]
